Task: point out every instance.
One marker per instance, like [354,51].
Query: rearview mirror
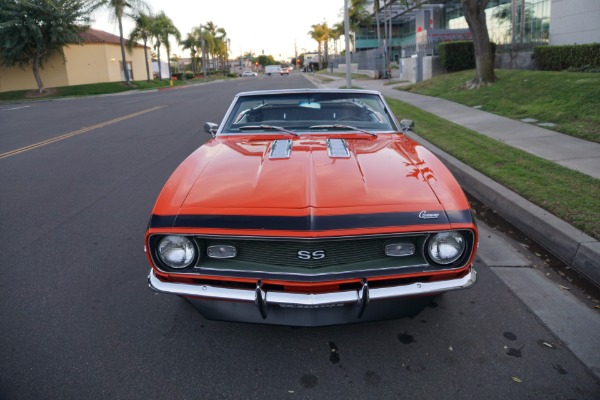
[309,104]
[211,127]
[407,124]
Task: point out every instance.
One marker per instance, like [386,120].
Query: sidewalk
[572,246]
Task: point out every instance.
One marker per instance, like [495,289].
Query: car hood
[382,184]
[246,174]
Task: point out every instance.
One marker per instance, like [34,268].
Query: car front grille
[311,253]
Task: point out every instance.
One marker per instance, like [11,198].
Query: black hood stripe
[308,223]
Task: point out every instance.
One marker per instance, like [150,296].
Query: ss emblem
[311,255]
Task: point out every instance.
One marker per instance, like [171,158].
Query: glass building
[512,24]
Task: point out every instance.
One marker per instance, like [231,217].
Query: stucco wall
[574,22]
[54,74]
[90,63]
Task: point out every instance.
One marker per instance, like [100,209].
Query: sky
[272,26]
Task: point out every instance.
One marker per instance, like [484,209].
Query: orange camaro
[310,207]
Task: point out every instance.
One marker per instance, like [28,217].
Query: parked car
[249,73]
[310,207]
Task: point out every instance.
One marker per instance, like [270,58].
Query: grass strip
[570,195]
[570,100]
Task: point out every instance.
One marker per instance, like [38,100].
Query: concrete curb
[575,248]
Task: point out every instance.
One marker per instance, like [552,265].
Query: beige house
[97,59]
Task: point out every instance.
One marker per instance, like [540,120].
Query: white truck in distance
[272,69]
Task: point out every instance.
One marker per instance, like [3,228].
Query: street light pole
[347,36]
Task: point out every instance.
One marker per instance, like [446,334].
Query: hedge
[458,55]
[581,57]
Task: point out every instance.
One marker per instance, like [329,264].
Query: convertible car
[310,207]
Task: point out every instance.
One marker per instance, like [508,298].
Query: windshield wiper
[270,127]
[340,126]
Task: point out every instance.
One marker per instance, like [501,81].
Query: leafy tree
[31,31]
[264,60]
[474,11]
[117,10]
[142,31]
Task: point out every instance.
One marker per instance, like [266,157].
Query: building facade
[575,22]
[401,30]
[97,59]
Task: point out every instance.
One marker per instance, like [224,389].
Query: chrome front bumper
[264,301]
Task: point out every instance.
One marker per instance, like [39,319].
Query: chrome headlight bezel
[176,252]
[444,249]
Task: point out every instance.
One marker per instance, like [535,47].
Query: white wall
[574,22]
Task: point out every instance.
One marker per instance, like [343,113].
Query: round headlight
[176,251]
[446,247]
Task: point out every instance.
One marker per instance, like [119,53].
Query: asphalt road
[78,179]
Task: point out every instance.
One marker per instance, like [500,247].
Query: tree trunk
[169,63]
[320,58]
[146,58]
[36,72]
[158,56]
[474,11]
[125,71]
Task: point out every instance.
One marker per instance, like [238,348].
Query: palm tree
[358,15]
[142,31]
[163,29]
[319,33]
[336,33]
[222,50]
[156,37]
[214,38]
[191,43]
[117,10]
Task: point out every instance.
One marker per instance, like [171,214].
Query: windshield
[309,112]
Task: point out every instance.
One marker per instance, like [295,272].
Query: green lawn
[571,100]
[570,195]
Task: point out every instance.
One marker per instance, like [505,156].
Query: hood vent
[281,149]
[337,148]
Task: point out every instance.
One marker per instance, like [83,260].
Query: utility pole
[203,56]
[347,35]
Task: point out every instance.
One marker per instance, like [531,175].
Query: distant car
[310,207]
[249,73]
[284,71]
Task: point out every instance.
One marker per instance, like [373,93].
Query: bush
[459,55]
[580,58]
[179,76]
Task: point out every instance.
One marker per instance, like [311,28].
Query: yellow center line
[80,131]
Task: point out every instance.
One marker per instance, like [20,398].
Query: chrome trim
[229,271]
[281,148]
[337,148]
[262,298]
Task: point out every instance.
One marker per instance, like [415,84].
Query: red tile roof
[98,36]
